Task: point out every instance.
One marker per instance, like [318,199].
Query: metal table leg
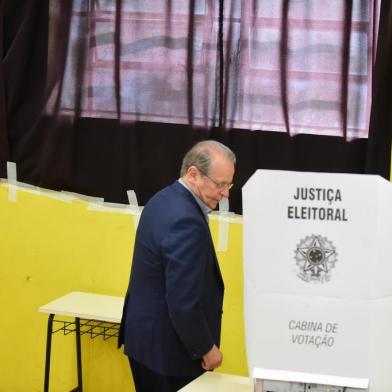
[79,388]
[79,355]
[48,351]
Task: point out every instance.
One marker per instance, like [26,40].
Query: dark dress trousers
[173,306]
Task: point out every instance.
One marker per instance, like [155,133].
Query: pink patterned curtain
[301,66]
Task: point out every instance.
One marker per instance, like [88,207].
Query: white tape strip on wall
[223,228]
[11,175]
[132,199]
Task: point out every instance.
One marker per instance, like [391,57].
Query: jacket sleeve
[186,250]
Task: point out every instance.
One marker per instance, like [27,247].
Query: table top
[219,382]
[87,306]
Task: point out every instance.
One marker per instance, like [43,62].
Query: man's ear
[192,173]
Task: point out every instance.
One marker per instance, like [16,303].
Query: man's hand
[212,359]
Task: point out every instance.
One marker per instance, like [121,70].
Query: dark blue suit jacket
[173,306]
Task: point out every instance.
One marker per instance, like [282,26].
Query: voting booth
[318,281]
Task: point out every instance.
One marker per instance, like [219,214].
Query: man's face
[213,187]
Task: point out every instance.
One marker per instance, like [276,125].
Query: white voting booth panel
[318,277]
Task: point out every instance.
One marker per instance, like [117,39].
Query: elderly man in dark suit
[173,307]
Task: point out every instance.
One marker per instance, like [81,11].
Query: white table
[219,382]
[94,314]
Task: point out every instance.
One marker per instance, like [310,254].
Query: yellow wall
[52,244]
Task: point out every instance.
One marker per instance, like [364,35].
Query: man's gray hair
[200,156]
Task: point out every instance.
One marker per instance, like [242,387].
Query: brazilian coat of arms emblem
[315,258]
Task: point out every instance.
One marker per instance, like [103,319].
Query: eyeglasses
[219,185]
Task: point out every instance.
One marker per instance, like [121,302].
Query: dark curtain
[378,153]
[105,156]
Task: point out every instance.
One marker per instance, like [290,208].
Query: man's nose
[225,192]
